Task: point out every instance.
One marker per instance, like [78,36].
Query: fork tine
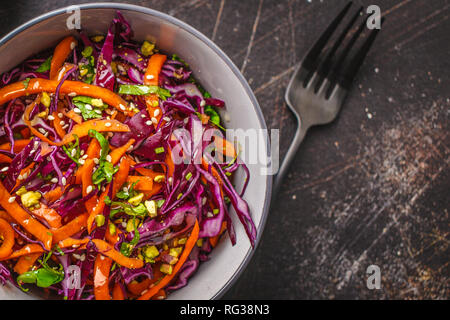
[358,60]
[311,59]
[326,66]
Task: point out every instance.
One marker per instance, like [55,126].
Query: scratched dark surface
[371,188]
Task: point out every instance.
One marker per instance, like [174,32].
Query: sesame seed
[62,122]
[84,157]
[142,115]
[76,110]
[51,118]
[54,180]
[154,120]
[72,45]
[149,123]
[108,124]
[81,161]
[65,126]
[20,177]
[25,175]
[166,119]
[42,130]
[60,115]
[4,169]
[108,158]
[63,181]
[98,111]
[150,77]
[202,103]
[122,107]
[89,189]
[96,161]
[88,107]
[156,113]
[12,199]
[72,94]
[82,152]
[73,152]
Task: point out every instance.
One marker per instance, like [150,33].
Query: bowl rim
[230,65]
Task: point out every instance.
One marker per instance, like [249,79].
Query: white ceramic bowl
[215,72]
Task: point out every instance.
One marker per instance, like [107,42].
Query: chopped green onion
[159,150]
[45,66]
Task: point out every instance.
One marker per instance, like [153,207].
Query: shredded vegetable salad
[94,200]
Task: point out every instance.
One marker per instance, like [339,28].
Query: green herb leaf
[45,66]
[91,112]
[87,51]
[126,248]
[43,277]
[26,82]
[139,90]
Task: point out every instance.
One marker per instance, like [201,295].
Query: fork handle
[290,155]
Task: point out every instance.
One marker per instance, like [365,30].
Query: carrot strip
[74,243]
[93,150]
[22,217]
[5,216]
[4,158]
[18,145]
[112,238]
[160,295]
[7,233]
[169,162]
[102,267]
[224,146]
[25,263]
[48,214]
[74,116]
[60,55]
[97,209]
[71,228]
[143,183]
[117,292]
[151,78]
[25,250]
[86,175]
[136,288]
[57,125]
[82,130]
[190,243]
[26,133]
[121,176]
[106,249]
[38,85]
[117,153]
[53,195]
[214,240]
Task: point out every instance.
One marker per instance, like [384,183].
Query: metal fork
[320,84]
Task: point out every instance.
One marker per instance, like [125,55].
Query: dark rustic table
[371,188]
